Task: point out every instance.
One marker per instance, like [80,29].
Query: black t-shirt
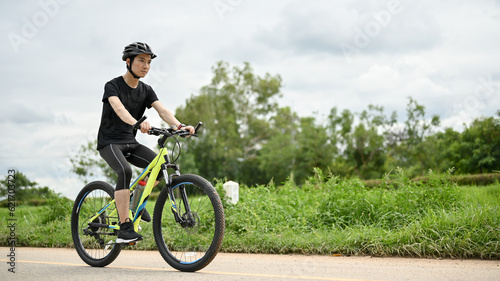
[112,128]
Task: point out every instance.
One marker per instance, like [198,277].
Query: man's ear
[128,62]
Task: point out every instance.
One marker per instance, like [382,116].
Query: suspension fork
[182,190]
[175,208]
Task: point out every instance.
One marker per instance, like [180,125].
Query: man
[124,102]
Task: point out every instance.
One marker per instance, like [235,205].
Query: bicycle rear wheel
[95,245]
[193,243]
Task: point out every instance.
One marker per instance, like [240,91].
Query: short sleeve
[110,89]
[151,96]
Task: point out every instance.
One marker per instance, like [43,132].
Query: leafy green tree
[417,128]
[478,150]
[440,151]
[407,147]
[235,108]
[25,189]
[339,128]
[213,151]
[276,159]
[362,141]
[314,149]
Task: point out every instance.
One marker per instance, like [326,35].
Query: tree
[478,150]
[236,108]
[440,151]
[407,147]
[339,129]
[363,150]
[25,189]
[314,149]
[277,158]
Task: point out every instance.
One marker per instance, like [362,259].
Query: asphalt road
[64,264]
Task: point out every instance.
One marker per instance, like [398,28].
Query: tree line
[248,137]
[26,190]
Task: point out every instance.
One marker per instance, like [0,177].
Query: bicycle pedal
[133,243]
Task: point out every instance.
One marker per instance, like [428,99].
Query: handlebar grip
[197,127]
[138,124]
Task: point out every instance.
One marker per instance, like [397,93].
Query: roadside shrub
[58,208]
[327,215]
[397,201]
[478,179]
[37,202]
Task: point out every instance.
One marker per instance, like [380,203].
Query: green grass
[328,215]
[482,195]
[22,212]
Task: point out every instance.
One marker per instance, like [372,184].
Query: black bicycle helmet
[135,49]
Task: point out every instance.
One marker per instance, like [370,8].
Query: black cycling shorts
[118,157]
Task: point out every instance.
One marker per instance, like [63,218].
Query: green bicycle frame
[152,170]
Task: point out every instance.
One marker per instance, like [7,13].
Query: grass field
[22,212]
[327,215]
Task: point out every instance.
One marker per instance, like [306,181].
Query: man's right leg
[141,156]
[113,155]
[122,200]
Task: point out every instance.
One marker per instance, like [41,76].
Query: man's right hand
[145,127]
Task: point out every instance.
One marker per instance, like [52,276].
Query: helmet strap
[129,67]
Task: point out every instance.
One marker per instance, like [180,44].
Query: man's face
[141,64]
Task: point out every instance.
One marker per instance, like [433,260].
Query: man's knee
[127,173]
[124,177]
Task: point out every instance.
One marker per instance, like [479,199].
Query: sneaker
[145,217]
[127,233]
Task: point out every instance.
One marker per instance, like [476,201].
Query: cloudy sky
[56,56]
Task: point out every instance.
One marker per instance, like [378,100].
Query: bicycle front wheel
[94,242]
[191,243]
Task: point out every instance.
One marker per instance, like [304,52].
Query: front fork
[181,219]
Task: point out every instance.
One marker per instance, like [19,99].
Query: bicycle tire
[95,245]
[189,247]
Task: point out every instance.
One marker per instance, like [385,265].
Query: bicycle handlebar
[171,132]
[167,132]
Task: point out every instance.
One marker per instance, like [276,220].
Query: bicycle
[188,217]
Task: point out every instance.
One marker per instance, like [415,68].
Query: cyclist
[124,102]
